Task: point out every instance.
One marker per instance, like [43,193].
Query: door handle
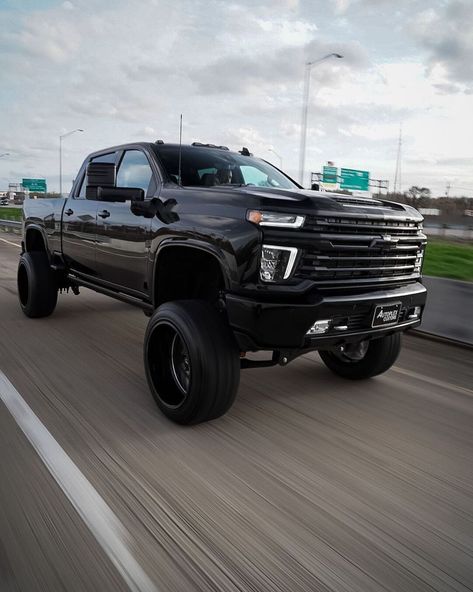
[104,214]
[69,212]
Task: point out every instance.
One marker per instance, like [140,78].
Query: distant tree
[419,196]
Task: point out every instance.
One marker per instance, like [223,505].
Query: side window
[110,157]
[134,171]
[82,186]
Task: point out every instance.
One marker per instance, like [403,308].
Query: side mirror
[99,174]
[133,194]
[155,207]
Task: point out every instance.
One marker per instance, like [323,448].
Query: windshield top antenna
[180,151]
[245,152]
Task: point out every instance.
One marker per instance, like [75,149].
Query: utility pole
[397,174]
[447,189]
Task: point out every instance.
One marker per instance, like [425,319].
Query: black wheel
[192,361]
[37,287]
[364,360]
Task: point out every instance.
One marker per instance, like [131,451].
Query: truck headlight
[276,219]
[277,263]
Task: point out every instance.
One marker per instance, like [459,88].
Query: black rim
[23,285]
[169,365]
[180,364]
[352,353]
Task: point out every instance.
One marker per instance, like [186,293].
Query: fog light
[319,327]
[414,313]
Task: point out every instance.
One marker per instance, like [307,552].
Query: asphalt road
[309,483]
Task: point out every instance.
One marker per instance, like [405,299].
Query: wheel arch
[35,239]
[193,250]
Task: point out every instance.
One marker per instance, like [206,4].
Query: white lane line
[10,242]
[100,519]
[433,381]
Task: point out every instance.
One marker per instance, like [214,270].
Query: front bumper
[267,325]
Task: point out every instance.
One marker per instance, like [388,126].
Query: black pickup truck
[228,256]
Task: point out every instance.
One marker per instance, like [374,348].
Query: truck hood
[306,201]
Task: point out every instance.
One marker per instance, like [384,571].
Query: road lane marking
[99,518]
[434,381]
[10,242]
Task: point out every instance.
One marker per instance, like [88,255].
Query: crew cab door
[79,225]
[123,237]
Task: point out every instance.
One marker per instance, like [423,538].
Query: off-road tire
[37,286]
[206,346]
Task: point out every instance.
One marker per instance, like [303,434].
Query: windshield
[212,167]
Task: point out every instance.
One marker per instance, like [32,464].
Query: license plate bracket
[386,314]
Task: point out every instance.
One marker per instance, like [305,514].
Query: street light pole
[278,155]
[305,110]
[61,137]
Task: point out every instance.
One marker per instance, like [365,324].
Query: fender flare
[37,228]
[216,253]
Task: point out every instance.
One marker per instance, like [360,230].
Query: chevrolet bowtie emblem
[383,241]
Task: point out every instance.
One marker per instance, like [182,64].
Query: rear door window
[109,157]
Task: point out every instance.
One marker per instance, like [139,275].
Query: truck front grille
[349,250]
[361,226]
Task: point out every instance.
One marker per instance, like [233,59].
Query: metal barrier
[464,233]
[11,225]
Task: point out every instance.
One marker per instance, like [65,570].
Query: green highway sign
[330,174]
[37,185]
[353,179]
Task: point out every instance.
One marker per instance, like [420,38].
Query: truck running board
[146,306]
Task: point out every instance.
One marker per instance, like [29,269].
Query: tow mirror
[99,174]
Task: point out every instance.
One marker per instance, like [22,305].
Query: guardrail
[445,231]
[12,225]
[448,313]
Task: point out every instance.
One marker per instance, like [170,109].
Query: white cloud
[341,6]
[447,35]
[235,70]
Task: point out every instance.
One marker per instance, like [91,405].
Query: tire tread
[214,350]
[42,287]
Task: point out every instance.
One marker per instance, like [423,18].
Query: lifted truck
[228,256]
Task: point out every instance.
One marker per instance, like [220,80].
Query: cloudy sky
[125,70]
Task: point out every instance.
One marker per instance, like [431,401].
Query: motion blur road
[309,483]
